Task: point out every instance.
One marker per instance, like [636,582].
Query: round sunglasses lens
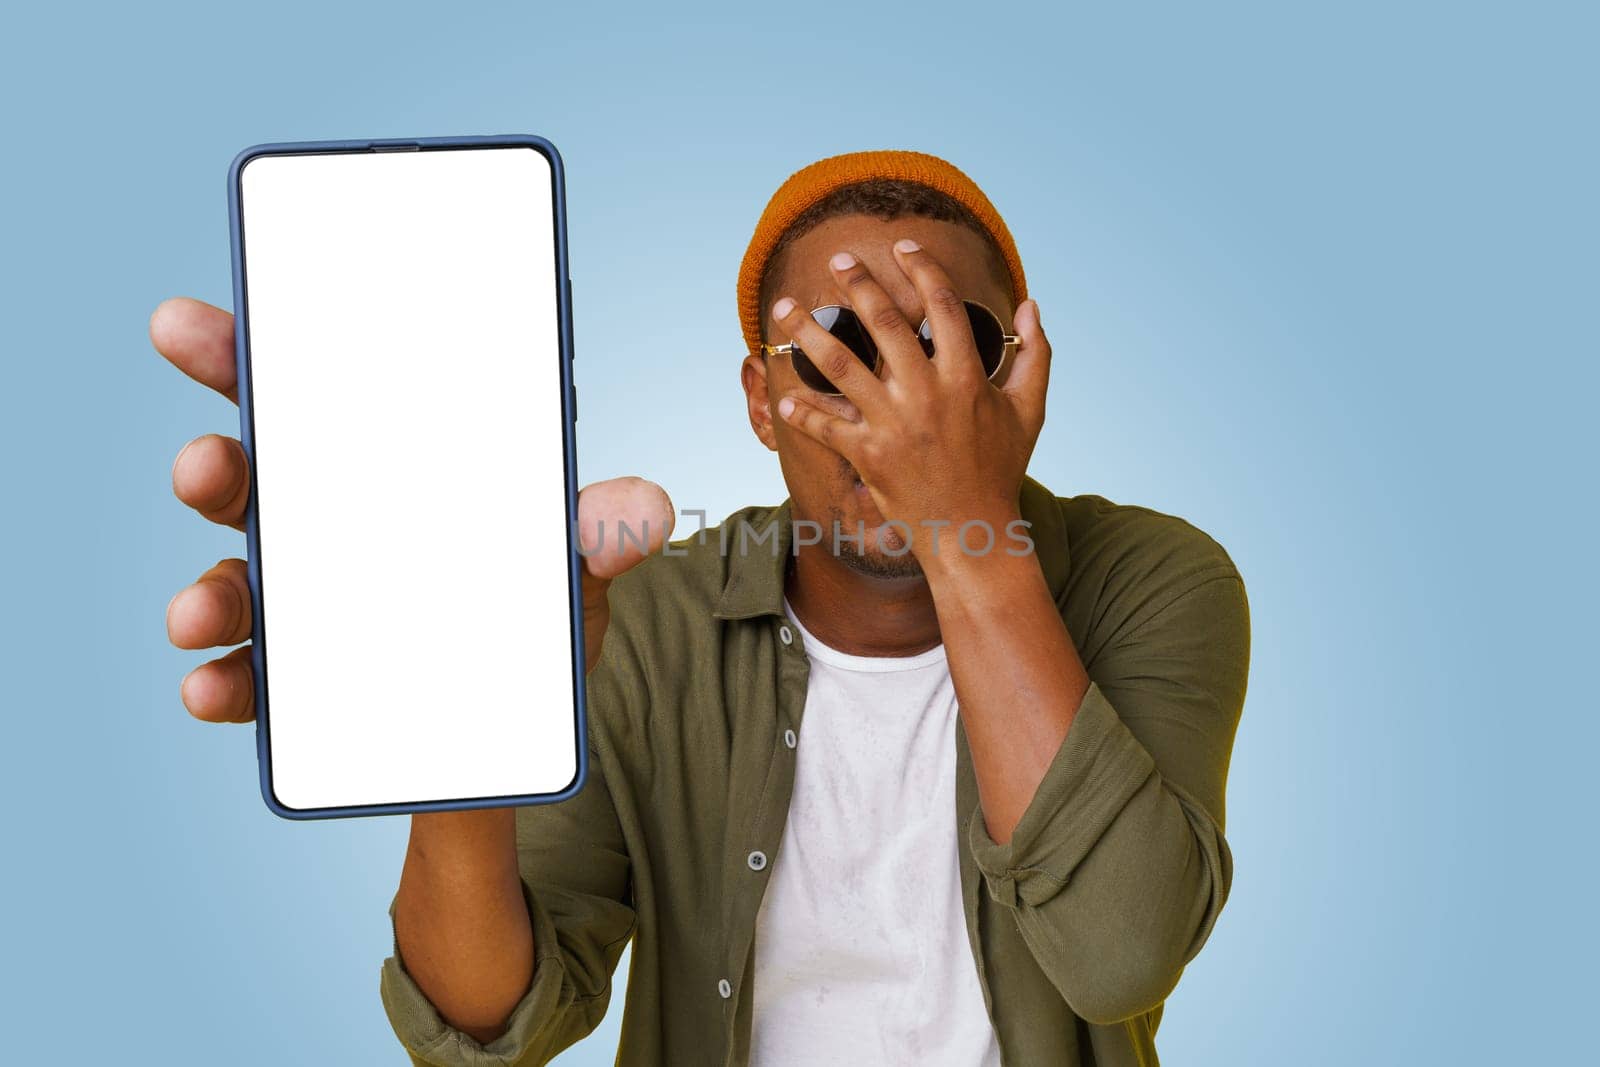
[987,334]
[843,325]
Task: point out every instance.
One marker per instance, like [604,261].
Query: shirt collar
[754,579]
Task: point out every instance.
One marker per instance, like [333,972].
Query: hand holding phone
[211,475]
[400,311]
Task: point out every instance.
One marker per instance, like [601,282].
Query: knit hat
[810,184]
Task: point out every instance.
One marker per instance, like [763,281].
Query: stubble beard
[867,556]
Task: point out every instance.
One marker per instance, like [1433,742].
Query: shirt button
[785,634]
[757,860]
[789,738]
[724,988]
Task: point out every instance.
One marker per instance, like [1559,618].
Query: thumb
[620,521]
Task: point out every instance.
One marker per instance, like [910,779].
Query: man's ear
[753,376]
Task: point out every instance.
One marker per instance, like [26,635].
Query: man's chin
[877,564]
[864,542]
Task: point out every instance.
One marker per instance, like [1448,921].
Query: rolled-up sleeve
[1118,868]
[575,881]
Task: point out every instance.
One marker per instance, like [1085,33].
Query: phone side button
[574,403]
[569,314]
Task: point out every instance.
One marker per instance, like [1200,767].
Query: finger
[214,611]
[212,475]
[836,362]
[222,690]
[1029,376]
[834,431]
[895,337]
[198,339]
[955,353]
[621,521]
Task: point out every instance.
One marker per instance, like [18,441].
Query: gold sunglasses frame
[1008,348]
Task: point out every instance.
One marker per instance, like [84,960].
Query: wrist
[979,544]
[454,834]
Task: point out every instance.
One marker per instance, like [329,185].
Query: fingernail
[786,406]
[842,261]
[783,307]
[906,244]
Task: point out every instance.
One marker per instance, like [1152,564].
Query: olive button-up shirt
[1079,925]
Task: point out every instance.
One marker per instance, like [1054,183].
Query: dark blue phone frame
[258,657]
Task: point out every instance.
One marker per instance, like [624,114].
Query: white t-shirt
[861,949]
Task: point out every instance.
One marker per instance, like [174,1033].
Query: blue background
[1321,282]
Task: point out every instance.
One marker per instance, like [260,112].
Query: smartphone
[404,343]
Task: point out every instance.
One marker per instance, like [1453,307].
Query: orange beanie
[810,184]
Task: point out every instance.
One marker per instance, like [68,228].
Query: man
[923,765]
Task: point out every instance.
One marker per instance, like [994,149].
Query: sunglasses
[995,346]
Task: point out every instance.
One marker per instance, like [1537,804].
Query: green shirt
[1079,926]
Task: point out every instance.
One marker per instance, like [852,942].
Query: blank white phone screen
[405,381]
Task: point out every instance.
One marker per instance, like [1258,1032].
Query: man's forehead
[964,255]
